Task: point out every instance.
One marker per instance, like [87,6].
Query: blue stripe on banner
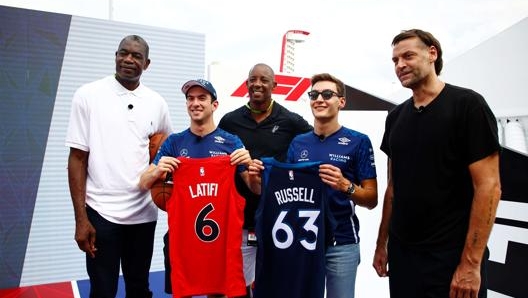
[32,45]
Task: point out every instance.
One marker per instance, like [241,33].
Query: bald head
[263,66]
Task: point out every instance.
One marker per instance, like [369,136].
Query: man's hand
[85,237]
[465,282]
[240,157]
[380,261]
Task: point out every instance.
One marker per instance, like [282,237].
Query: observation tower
[289,41]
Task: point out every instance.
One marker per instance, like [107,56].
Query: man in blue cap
[202,139]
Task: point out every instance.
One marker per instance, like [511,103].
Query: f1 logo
[290,86]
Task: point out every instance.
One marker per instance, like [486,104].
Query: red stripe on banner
[55,290]
[287,80]
[282,90]
[241,91]
[298,91]
[292,87]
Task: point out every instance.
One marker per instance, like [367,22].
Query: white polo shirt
[113,124]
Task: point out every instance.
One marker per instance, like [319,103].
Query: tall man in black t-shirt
[266,129]
[443,183]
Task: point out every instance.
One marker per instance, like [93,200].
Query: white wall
[497,69]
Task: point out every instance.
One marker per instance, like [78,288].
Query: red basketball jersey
[205,214]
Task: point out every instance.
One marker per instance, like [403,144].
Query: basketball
[161,192]
[155,142]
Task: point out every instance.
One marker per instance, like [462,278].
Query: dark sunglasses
[326,94]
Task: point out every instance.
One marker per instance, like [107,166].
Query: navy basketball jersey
[292,231]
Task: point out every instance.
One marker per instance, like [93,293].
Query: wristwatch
[351,189]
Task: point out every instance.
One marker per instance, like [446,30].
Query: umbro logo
[343,141]
[219,139]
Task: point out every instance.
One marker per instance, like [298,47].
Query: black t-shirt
[269,138]
[430,151]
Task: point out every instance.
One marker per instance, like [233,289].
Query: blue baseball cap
[202,83]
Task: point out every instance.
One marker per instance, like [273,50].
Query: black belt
[338,243]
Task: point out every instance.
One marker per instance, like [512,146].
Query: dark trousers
[168,283]
[130,246]
[426,274]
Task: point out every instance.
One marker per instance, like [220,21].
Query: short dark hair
[428,39]
[341,90]
[138,39]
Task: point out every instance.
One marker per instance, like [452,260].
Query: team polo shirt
[117,138]
[187,144]
[350,151]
